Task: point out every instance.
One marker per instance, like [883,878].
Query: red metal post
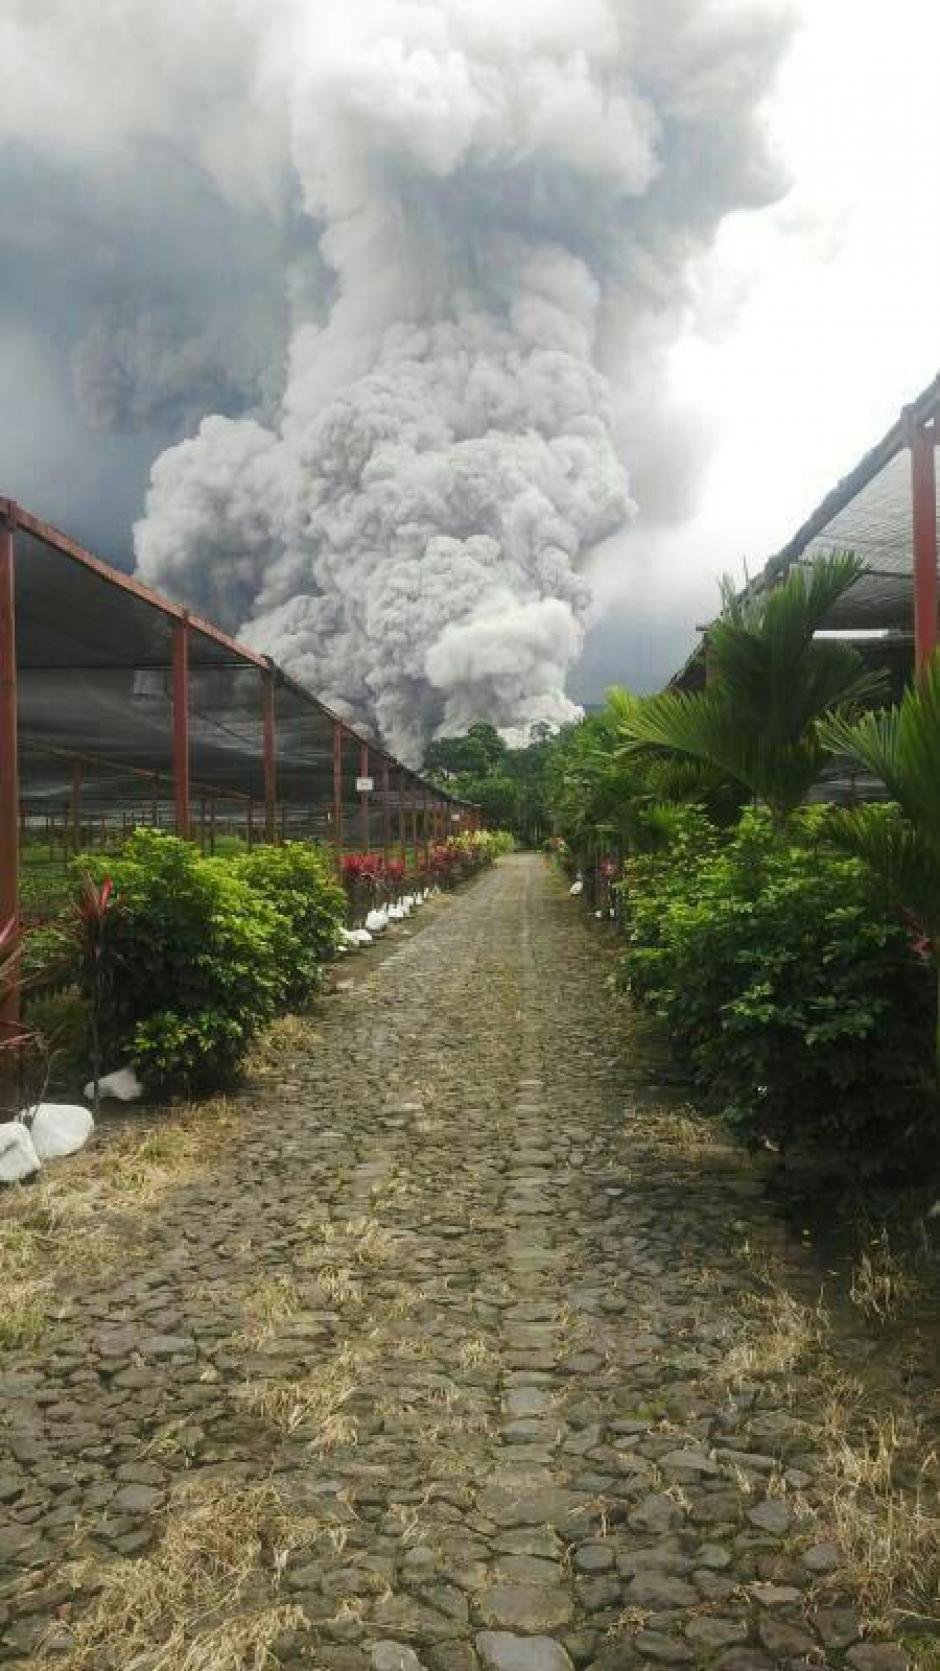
[402,832]
[386,813]
[924,504]
[9,769]
[181,727]
[364,798]
[270,755]
[338,785]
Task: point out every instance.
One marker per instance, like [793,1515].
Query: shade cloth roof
[94,669]
[870,513]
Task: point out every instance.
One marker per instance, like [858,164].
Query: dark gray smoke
[479,214]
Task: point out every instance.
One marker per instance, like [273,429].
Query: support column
[76,806]
[426,828]
[181,727]
[9,766]
[402,833]
[268,689]
[338,785]
[364,798]
[924,504]
[386,813]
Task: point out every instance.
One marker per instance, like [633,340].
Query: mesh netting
[94,670]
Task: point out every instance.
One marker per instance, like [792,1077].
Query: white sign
[364,785]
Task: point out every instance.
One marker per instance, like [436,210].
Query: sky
[159,248]
[820,321]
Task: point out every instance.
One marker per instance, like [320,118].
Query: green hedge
[299,882]
[794,993]
[200,952]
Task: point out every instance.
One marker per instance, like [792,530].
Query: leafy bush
[192,965]
[792,989]
[298,883]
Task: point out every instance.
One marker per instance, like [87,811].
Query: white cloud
[818,318]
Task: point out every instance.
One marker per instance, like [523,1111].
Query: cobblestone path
[424,1373]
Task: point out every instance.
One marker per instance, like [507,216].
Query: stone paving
[435,1309]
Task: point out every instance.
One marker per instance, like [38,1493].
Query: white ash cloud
[477,214]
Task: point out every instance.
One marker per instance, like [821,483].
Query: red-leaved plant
[12,1033]
[15,1035]
[395,874]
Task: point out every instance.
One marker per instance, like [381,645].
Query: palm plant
[901,746]
[771,681]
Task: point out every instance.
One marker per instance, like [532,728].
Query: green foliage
[507,784]
[789,985]
[63,1021]
[902,747]
[605,797]
[192,964]
[298,882]
[771,681]
[477,753]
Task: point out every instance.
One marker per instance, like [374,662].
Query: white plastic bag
[59,1128]
[18,1157]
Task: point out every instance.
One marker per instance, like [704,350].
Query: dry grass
[281,1047]
[877,1494]
[207,1599]
[882,1501]
[268,1302]
[476,1352]
[312,1406]
[680,1130]
[78,1221]
[883,1285]
[776,1334]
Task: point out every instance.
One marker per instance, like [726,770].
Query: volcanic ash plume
[508,197]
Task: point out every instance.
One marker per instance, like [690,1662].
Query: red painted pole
[426,829]
[338,785]
[9,766]
[364,798]
[181,727]
[386,813]
[270,755]
[402,833]
[924,505]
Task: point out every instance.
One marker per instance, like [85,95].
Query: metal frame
[917,430]
[185,626]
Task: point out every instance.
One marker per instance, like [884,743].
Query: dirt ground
[452,1342]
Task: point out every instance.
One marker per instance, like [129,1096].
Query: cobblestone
[440,1306]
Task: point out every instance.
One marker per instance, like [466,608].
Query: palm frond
[906,863]
[901,746]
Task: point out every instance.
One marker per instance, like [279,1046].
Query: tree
[901,746]
[479,752]
[771,682]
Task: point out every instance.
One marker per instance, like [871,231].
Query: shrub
[792,990]
[192,962]
[298,883]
